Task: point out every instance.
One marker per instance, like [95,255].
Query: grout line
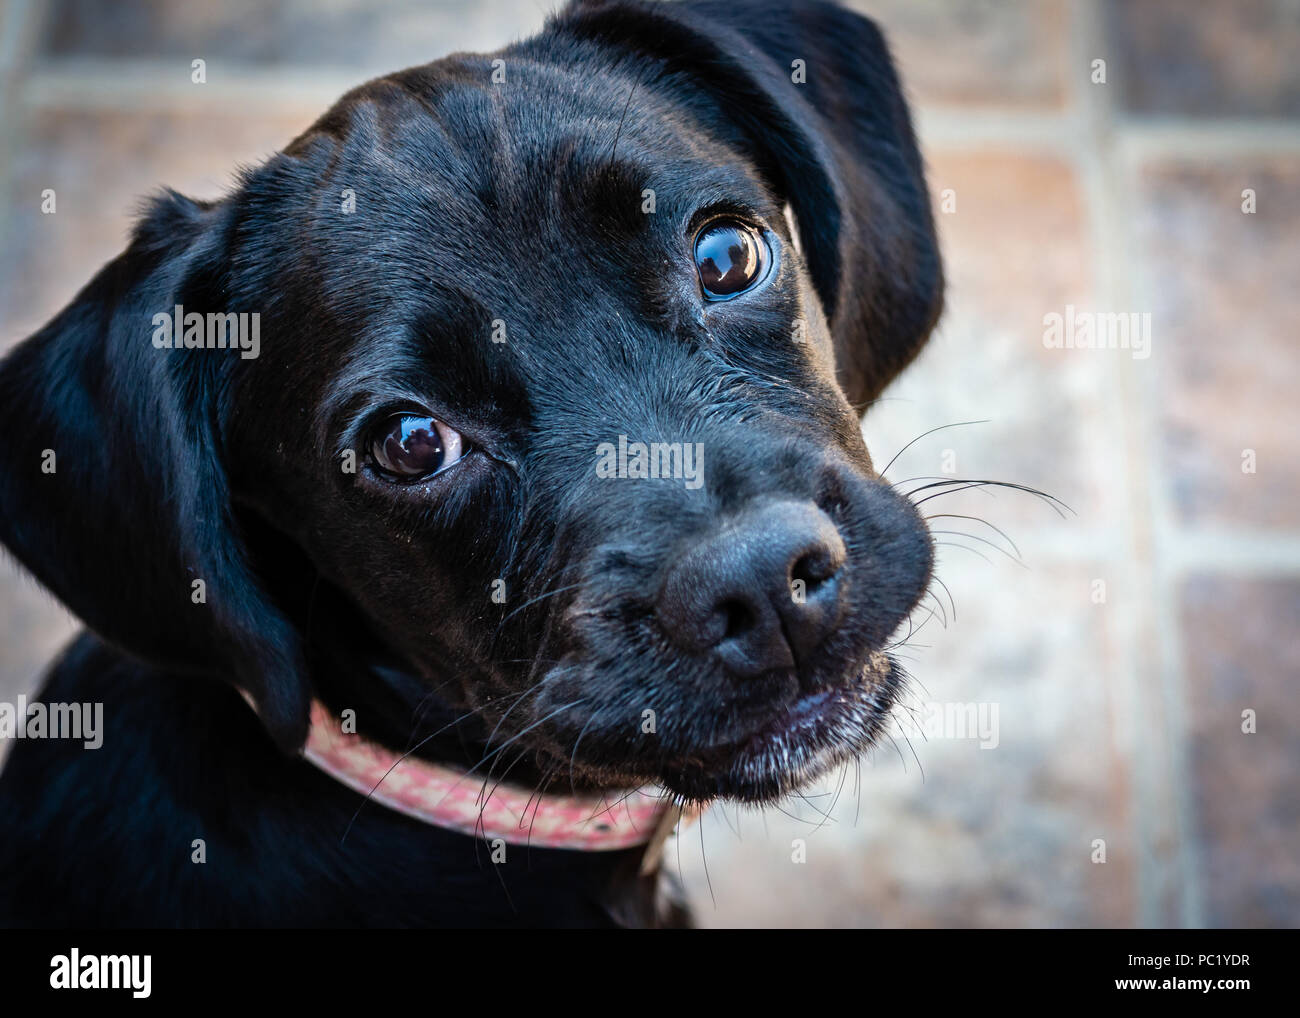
[1152,138]
[164,85]
[1134,137]
[945,127]
[18,32]
[1093,160]
[19,26]
[1245,553]
[154,84]
[1154,536]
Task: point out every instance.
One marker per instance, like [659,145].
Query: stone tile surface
[1015,250]
[977,52]
[943,832]
[101,166]
[1225,352]
[1242,655]
[346,33]
[1220,58]
[1107,713]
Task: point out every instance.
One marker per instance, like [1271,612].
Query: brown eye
[731,257]
[408,446]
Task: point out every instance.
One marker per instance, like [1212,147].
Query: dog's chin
[801,742]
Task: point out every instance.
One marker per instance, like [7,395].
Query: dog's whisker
[784,812]
[857,789]
[966,483]
[942,610]
[535,600]
[973,551]
[517,700]
[573,757]
[533,796]
[901,758]
[521,734]
[912,628]
[983,540]
[613,148]
[931,477]
[608,807]
[912,749]
[500,780]
[704,858]
[978,519]
[935,579]
[403,756]
[844,773]
[941,427]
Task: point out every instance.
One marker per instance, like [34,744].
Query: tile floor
[1121,659]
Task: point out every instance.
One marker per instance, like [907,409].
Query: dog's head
[560,355]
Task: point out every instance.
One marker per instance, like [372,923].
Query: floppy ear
[808,90]
[112,487]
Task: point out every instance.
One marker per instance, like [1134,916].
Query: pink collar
[445,797]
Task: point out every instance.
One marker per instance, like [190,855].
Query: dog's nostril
[739,615]
[813,569]
[760,594]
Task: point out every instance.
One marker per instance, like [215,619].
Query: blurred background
[1118,660]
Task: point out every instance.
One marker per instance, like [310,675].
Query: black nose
[762,593]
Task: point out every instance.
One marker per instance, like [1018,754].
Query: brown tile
[969,51]
[966,836]
[1242,653]
[1015,250]
[972,52]
[100,166]
[341,33]
[1223,346]
[1212,58]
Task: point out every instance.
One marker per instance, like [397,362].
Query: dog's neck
[392,739]
[383,730]
[457,800]
[394,707]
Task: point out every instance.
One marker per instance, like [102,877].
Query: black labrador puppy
[526,441]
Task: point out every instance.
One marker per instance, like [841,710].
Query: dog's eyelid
[729,209]
[373,409]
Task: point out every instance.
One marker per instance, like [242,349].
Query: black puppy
[543,459]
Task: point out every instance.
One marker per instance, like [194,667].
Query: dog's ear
[808,91]
[112,487]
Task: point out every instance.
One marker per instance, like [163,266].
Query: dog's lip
[800,727]
[796,723]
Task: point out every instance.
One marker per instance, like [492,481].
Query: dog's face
[554,388]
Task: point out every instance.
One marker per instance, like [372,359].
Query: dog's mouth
[762,750]
[803,740]
[744,664]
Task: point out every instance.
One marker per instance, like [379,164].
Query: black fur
[476,202]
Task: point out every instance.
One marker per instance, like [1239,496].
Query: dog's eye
[408,446]
[730,257]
